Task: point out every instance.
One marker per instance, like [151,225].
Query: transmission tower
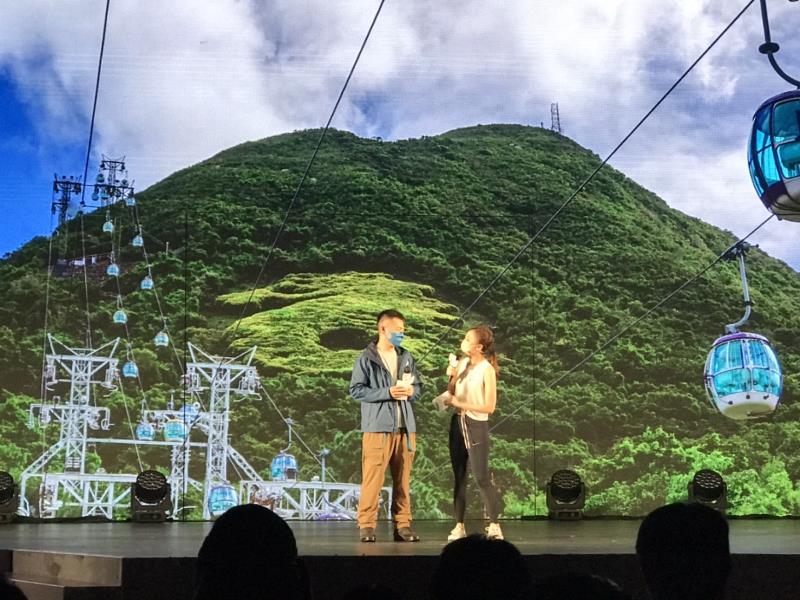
[63,190]
[555,119]
[76,416]
[112,183]
[218,379]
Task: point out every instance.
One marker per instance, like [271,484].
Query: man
[684,552]
[386,382]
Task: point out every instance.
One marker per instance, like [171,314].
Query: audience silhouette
[684,552]
[250,554]
[475,567]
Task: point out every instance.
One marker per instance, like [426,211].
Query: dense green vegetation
[424,225]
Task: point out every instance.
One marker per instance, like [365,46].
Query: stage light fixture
[709,488]
[9,498]
[151,500]
[566,496]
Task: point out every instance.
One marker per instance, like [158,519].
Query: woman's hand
[454,402]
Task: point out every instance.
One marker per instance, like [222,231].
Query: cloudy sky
[184,79]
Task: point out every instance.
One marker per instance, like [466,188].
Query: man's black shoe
[405,534]
[367,534]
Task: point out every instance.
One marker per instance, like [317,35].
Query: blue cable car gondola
[743,376]
[108,227]
[175,430]
[190,412]
[774,149]
[742,373]
[146,283]
[120,317]
[774,154]
[221,498]
[100,178]
[284,467]
[161,339]
[112,270]
[130,200]
[145,432]
[137,241]
[130,370]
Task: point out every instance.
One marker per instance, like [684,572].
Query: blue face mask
[396,338]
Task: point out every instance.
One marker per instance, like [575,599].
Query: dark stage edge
[153,561]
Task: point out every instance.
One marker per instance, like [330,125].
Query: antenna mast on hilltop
[555,119]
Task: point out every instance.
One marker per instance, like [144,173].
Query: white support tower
[209,377]
[222,376]
[76,417]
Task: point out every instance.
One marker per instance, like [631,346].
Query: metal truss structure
[67,488]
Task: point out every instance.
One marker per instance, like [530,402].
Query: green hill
[424,225]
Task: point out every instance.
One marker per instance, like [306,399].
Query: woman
[473,389]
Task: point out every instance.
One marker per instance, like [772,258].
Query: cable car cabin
[130,370]
[221,498]
[161,339]
[284,467]
[145,432]
[175,431]
[190,412]
[743,376]
[774,155]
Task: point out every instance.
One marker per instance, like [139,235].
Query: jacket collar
[372,353]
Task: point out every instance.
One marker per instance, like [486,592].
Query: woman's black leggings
[477,457]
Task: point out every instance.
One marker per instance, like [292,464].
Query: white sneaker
[493,531]
[458,532]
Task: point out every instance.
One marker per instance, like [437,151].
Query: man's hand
[401,392]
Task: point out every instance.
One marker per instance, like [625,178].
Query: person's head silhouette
[9,591]
[475,567]
[684,552]
[249,554]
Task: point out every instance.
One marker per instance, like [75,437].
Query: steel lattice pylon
[102,493]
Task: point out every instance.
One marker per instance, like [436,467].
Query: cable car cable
[297,191]
[86,171]
[305,173]
[165,325]
[585,182]
[639,319]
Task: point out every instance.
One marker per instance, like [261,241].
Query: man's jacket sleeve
[360,388]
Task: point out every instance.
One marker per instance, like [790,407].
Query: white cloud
[183,80]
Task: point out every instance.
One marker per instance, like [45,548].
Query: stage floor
[146,540]
[131,561]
